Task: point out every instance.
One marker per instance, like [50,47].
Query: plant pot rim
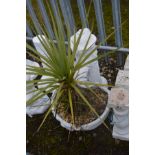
[85,127]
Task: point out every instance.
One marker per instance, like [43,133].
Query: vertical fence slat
[33,15]
[82,12]
[68,18]
[54,6]
[55,9]
[67,14]
[28,30]
[63,9]
[45,18]
[70,13]
[118,30]
[100,20]
[100,23]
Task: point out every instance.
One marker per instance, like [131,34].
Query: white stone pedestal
[119,101]
[121,123]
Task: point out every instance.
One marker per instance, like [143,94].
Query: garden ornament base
[41,105]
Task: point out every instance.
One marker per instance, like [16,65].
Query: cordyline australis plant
[59,67]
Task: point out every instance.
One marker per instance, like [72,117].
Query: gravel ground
[109,70]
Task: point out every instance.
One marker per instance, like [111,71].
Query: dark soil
[52,139]
[82,113]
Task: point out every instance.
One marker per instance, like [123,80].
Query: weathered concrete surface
[122,79]
[126,66]
[119,97]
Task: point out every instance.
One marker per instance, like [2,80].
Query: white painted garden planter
[89,73]
[85,127]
